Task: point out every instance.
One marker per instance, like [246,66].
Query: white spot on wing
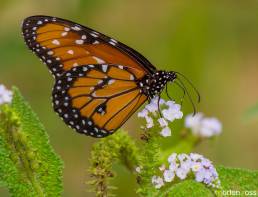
[76,28]
[67,29]
[99,61]
[100,81]
[94,35]
[113,40]
[104,67]
[111,81]
[56,42]
[50,52]
[64,33]
[79,41]
[112,43]
[95,42]
[70,52]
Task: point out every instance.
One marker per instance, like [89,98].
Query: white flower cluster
[169,110]
[203,126]
[5,95]
[182,165]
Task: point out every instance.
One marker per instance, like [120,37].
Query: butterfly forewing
[62,45]
[97,99]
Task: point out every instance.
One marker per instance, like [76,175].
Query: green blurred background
[214,43]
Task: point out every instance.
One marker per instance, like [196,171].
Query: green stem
[19,147]
[25,162]
[150,162]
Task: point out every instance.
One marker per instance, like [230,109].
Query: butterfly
[99,81]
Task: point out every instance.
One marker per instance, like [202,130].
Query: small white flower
[152,107]
[157,182]
[138,169]
[183,157]
[181,165]
[162,167]
[5,95]
[170,112]
[194,122]
[173,166]
[199,176]
[202,126]
[163,122]
[170,103]
[181,173]
[195,156]
[165,132]
[210,127]
[143,113]
[172,158]
[168,175]
[149,121]
[186,165]
[161,101]
[196,166]
[173,112]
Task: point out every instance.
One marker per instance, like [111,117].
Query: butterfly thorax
[153,85]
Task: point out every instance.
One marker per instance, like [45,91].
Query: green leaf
[238,179]
[28,164]
[231,180]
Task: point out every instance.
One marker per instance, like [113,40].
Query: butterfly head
[154,84]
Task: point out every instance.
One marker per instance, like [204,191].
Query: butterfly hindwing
[97,99]
[62,45]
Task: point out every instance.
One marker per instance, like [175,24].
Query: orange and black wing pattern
[97,99]
[96,77]
[62,45]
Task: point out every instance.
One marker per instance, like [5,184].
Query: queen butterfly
[99,82]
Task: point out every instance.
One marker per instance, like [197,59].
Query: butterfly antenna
[159,107]
[182,98]
[192,85]
[188,95]
[167,92]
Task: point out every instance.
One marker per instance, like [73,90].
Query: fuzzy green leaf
[231,180]
[28,164]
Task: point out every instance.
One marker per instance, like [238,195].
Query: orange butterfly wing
[62,45]
[97,99]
